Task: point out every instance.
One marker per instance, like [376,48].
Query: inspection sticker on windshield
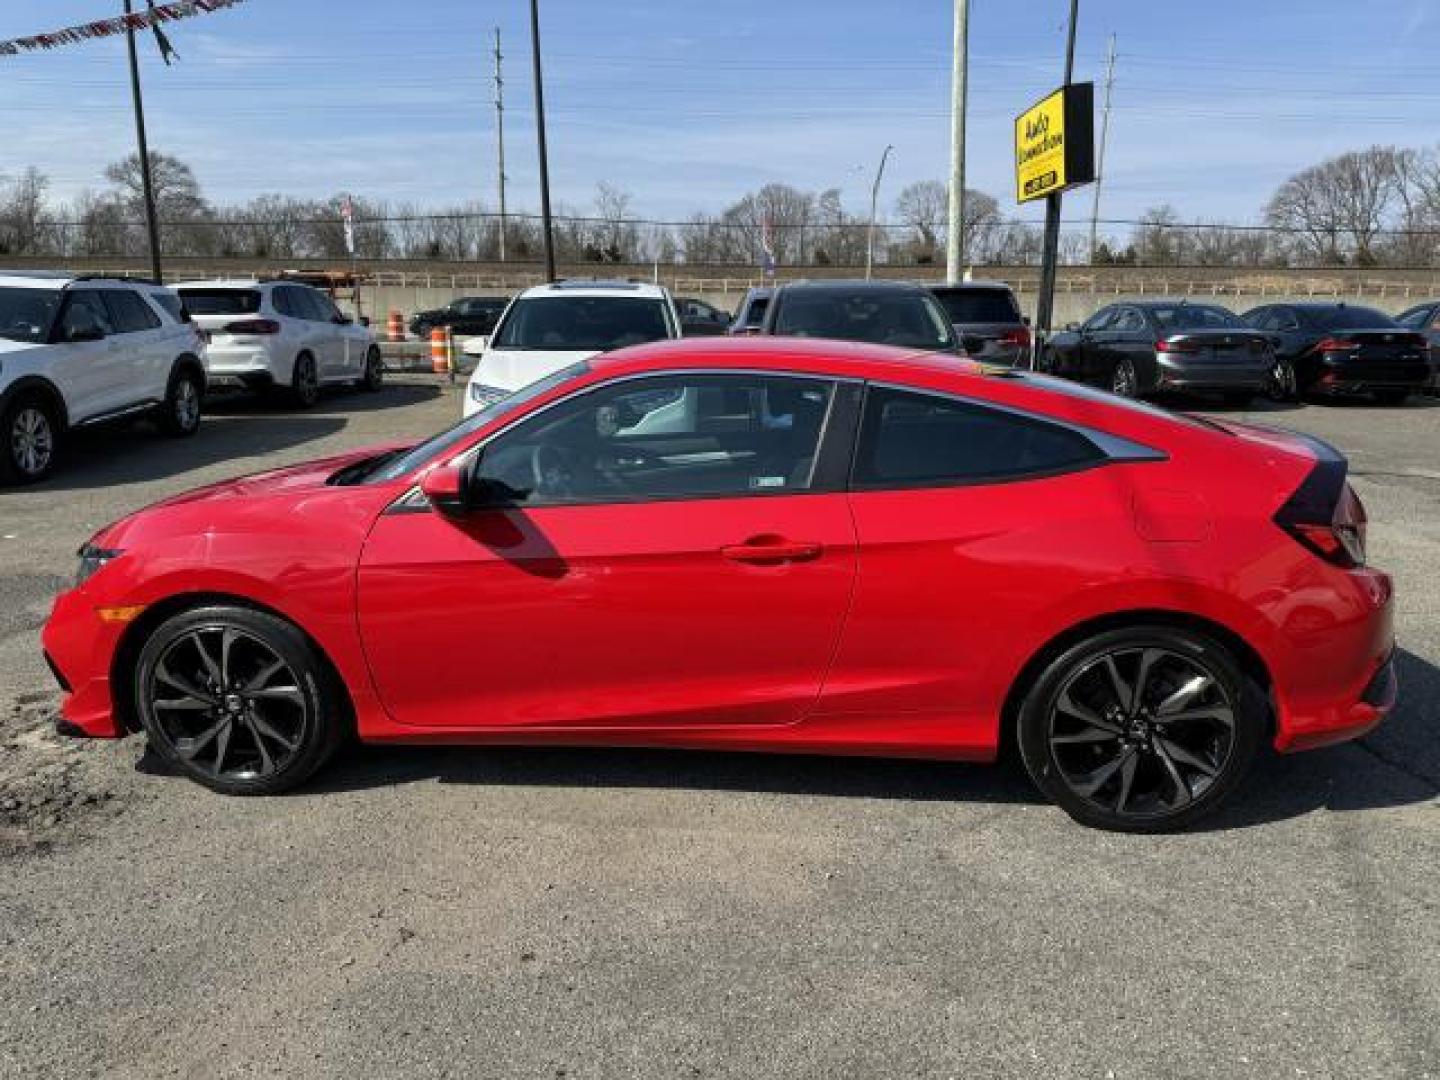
[767,481]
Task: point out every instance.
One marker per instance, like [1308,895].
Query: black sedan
[701,319]
[467,315]
[1145,347]
[1337,349]
[1425,319]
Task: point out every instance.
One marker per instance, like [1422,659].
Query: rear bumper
[1355,377]
[1188,375]
[1338,680]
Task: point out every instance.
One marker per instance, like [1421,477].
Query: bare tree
[24,220]
[1337,207]
[1157,241]
[924,207]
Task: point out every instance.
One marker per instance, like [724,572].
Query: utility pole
[500,137]
[960,92]
[152,227]
[1104,138]
[548,234]
[1045,306]
[874,206]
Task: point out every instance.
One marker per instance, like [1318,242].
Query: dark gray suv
[987,321]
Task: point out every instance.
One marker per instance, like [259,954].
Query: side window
[1261,319]
[1128,321]
[85,310]
[1101,320]
[312,305]
[669,437]
[324,308]
[283,297]
[173,305]
[128,313]
[910,439]
[1285,319]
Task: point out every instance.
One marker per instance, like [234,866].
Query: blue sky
[689,104]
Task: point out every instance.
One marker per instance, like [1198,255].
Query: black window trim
[833,456]
[1110,449]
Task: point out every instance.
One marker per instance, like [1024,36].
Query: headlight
[92,558]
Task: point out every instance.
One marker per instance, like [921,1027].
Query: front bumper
[80,649]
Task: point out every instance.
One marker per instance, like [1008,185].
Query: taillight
[1018,338]
[1331,344]
[253,326]
[1165,345]
[1326,516]
[1416,341]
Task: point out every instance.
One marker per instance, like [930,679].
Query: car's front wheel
[1123,380]
[1282,385]
[1141,730]
[374,377]
[305,382]
[238,700]
[180,412]
[30,441]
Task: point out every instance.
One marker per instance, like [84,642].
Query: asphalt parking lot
[548,913]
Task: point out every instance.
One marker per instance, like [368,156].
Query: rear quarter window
[979,305]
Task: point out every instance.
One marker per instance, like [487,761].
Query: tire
[180,413]
[29,440]
[1047,362]
[1123,380]
[1392,397]
[1078,734]
[374,378]
[305,382]
[1282,385]
[277,718]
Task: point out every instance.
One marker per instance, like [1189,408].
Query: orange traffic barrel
[396,328]
[439,351]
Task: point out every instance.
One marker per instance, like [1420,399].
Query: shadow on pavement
[394,395]
[1397,765]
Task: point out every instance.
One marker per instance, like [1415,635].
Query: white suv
[551,327]
[76,351]
[267,335]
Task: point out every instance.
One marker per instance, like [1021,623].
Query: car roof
[56,279]
[851,285]
[597,287]
[969,286]
[232,283]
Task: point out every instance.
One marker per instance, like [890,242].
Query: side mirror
[342,320]
[1072,327]
[446,488]
[85,333]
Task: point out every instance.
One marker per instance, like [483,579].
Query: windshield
[582,323]
[979,306]
[908,319]
[1345,317]
[221,301]
[432,448]
[27,314]
[1196,317]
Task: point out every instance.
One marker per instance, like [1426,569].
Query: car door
[1089,360]
[1131,337]
[87,371]
[673,575]
[144,356]
[958,507]
[330,341]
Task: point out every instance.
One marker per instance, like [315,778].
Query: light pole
[549,237]
[1045,302]
[874,205]
[959,91]
[152,227]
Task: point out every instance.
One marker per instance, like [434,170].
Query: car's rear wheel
[305,382]
[31,438]
[238,700]
[180,412]
[1142,730]
[1123,380]
[374,377]
[1282,384]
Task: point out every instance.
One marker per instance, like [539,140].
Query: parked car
[1425,319]
[467,315]
[750,315]
[77,351]
[279,335]
[759,545]
[1137,348]
[881,312]
[987,319]
[699,319]
[1337,348]
[551,327]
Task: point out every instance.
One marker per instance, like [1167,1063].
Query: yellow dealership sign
[1055,143]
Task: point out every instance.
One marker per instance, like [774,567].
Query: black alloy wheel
[1123,380]
[1142,731]
[1282,384]
[305,383]
[237,700]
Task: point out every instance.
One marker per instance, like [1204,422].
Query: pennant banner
[147,20]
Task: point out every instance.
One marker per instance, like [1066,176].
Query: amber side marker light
[119,614]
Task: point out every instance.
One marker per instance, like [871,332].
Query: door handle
[771,549]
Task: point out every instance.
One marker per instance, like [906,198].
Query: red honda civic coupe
[758,544]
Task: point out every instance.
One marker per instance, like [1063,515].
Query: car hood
[511,369]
